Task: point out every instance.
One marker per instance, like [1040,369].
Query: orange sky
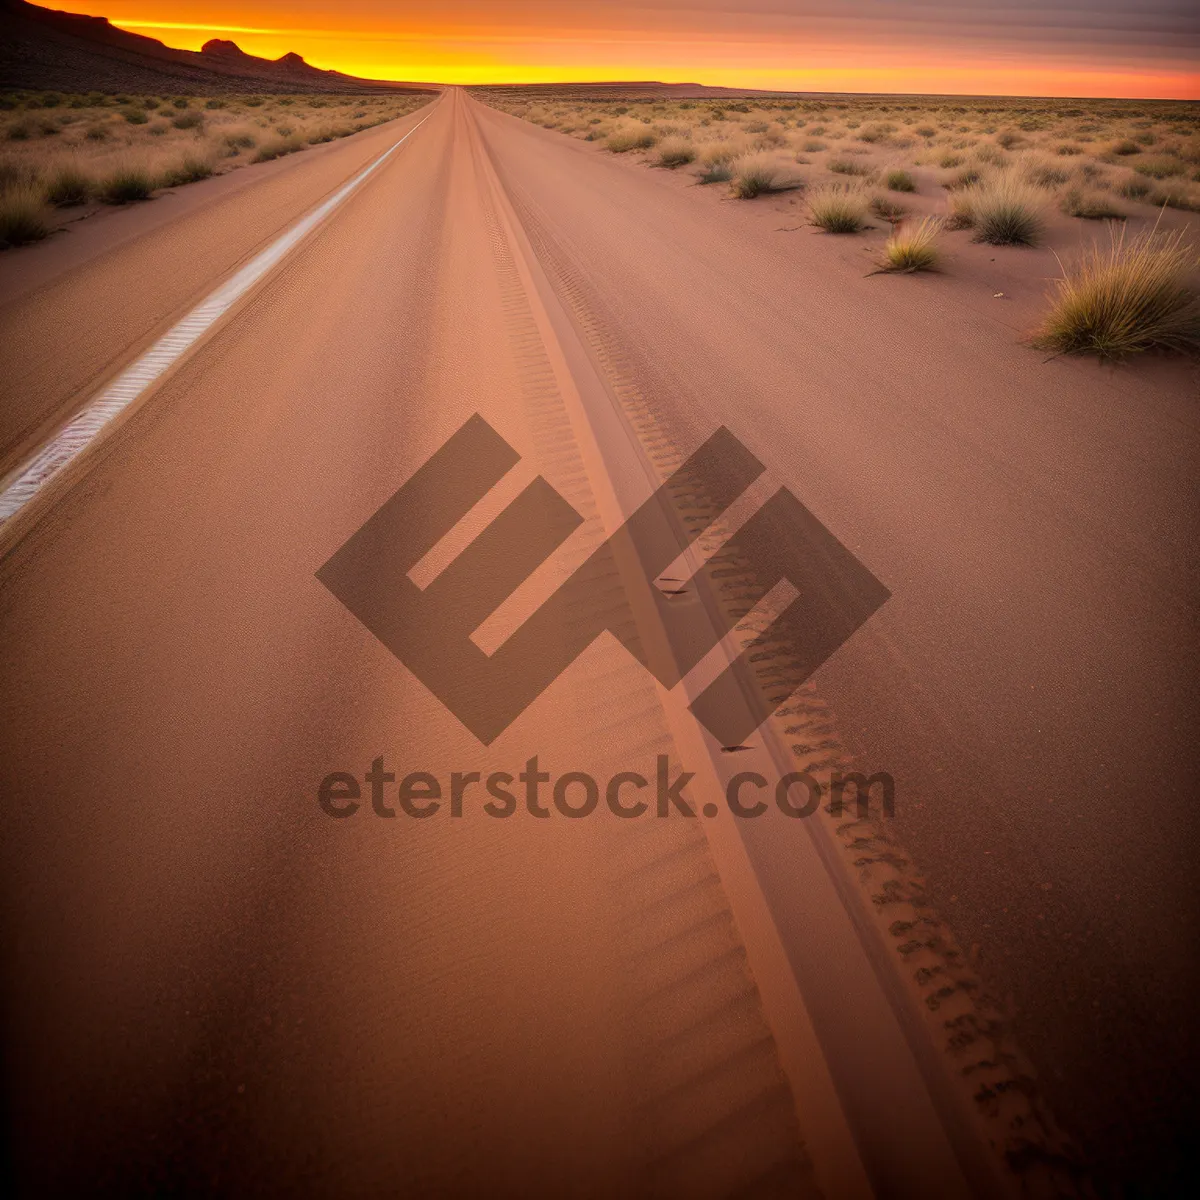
[1024,47]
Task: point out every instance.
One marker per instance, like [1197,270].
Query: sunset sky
[1145,48]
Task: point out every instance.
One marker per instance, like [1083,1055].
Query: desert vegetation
[903,144]
[838,208]
[1131,295]
[924,174]
[61,156]
[913,248]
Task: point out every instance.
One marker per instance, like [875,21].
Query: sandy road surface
[448,1002]
[292,1005]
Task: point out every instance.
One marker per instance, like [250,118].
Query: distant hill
[636,90]
[42,48]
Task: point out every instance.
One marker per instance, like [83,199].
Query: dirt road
[212,985]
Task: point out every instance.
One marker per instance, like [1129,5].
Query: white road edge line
[83,429]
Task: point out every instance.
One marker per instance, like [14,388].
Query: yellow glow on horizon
[426,50]
[122,23]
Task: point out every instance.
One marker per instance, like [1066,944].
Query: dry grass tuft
[675,152]
[1092,206]
[68,185]
[23,215]
[837,208]
[277,148]
[1161,168]
[716,172]
[900,181]
[723,152]
[126,184]
[887,208]
[238,140]
[1003,211]
[1125,298]
[961,179]
[189,168]
[1134,188]
[625,140]
[1047,175]
[913,248]
[759,175]
[1180,197]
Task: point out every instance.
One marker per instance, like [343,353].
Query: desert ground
[65,156]
[989,993]
[1007,172]
[1099,160]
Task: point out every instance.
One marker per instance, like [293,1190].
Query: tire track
[965,1020]
[715,1116]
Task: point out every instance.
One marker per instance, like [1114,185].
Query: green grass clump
[847,166]
[188,120]
[913,248]
[126,185]
[838,209]
[23,216]
[900,181]
[1129,297]
[135,116]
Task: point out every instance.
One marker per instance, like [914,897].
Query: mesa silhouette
[44,48]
